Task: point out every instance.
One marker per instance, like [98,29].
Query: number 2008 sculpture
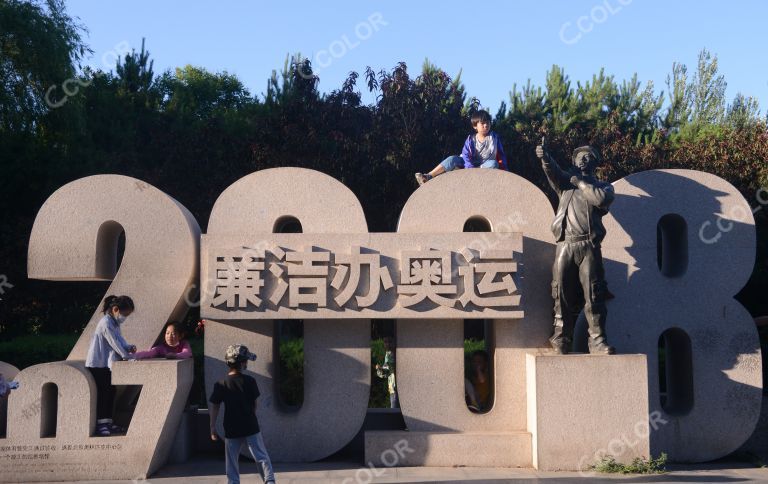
[673,288]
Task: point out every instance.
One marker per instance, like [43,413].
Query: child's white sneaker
[102,430]
[423,178]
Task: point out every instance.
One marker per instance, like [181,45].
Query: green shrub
[471,345]
[291,381]
[639,465]
[29,350]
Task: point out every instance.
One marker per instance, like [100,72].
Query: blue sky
[494,44]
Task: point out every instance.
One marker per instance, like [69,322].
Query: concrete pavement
[211,471]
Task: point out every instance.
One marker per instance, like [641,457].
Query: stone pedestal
[183,442]
[447,449]
[758,442]
[584,407]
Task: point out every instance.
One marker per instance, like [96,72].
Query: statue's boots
[561,339]
[596,313]
[560,347]
[598,346]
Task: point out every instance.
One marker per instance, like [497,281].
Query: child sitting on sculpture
[107,345]
[481,150]
[6,387]
[173,346]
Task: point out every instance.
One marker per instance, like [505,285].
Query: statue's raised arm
[558,179]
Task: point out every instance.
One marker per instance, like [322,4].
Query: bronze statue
[578,229]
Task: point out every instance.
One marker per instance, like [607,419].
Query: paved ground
[209,471]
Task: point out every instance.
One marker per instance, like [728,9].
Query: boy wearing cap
[239,392]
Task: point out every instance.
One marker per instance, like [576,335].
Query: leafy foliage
[291,381]
[191,133]
[40,47]
[29,350]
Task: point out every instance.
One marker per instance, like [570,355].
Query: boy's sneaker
[102,430]
[423,178]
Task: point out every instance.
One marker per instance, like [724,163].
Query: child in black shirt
[239,392]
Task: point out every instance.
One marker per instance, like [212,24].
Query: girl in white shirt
[107,345]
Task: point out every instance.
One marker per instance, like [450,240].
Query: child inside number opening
[239,392]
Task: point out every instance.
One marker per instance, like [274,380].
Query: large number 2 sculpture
[75,238]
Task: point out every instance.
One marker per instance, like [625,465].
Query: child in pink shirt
[174,346]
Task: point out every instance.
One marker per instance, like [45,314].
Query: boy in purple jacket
[481,150]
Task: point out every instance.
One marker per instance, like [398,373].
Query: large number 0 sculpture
[674,283]
[335,351]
